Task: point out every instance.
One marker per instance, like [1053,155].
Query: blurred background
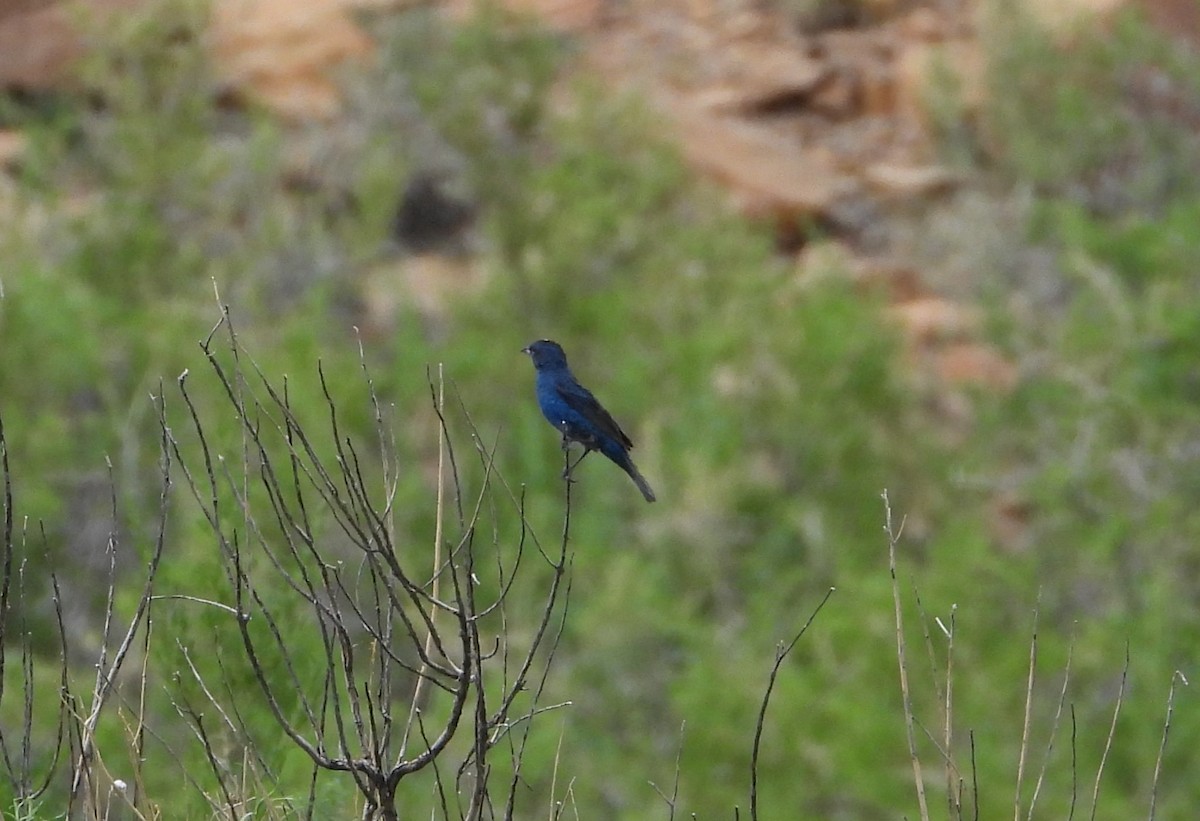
[803,250]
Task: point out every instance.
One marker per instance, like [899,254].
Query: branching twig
[781,653]
[378,626]
[108,671]
[673,799]
[1062,700]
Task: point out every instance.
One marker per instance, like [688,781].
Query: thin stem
[893,536]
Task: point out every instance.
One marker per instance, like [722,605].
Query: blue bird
[576,414]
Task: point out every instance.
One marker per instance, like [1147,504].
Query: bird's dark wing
[580,400]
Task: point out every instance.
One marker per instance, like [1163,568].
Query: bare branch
[1033,645]
[285,512]
[893,536]
[1176,677]
[1112,731]
[781,652]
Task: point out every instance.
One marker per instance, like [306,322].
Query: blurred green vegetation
[770,410]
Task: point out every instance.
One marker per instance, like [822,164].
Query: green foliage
[1101,121]
[1093,440]
[769,411]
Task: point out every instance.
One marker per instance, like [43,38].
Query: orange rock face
[39,43]
[280,52]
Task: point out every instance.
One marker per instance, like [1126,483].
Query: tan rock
[898,282]
[924,24]
[930,319]
[840,97]
[978,364]
[920,65]
[766,76]
[38,46]
[13,145]
[908,181]
[428,283]
[877,81]
[772,178]
[280,52]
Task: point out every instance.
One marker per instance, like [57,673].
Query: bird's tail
[639,480]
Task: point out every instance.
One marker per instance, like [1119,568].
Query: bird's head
[546,353]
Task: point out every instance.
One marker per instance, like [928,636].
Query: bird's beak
[525,350]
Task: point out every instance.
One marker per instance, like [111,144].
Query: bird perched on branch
[576,414]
